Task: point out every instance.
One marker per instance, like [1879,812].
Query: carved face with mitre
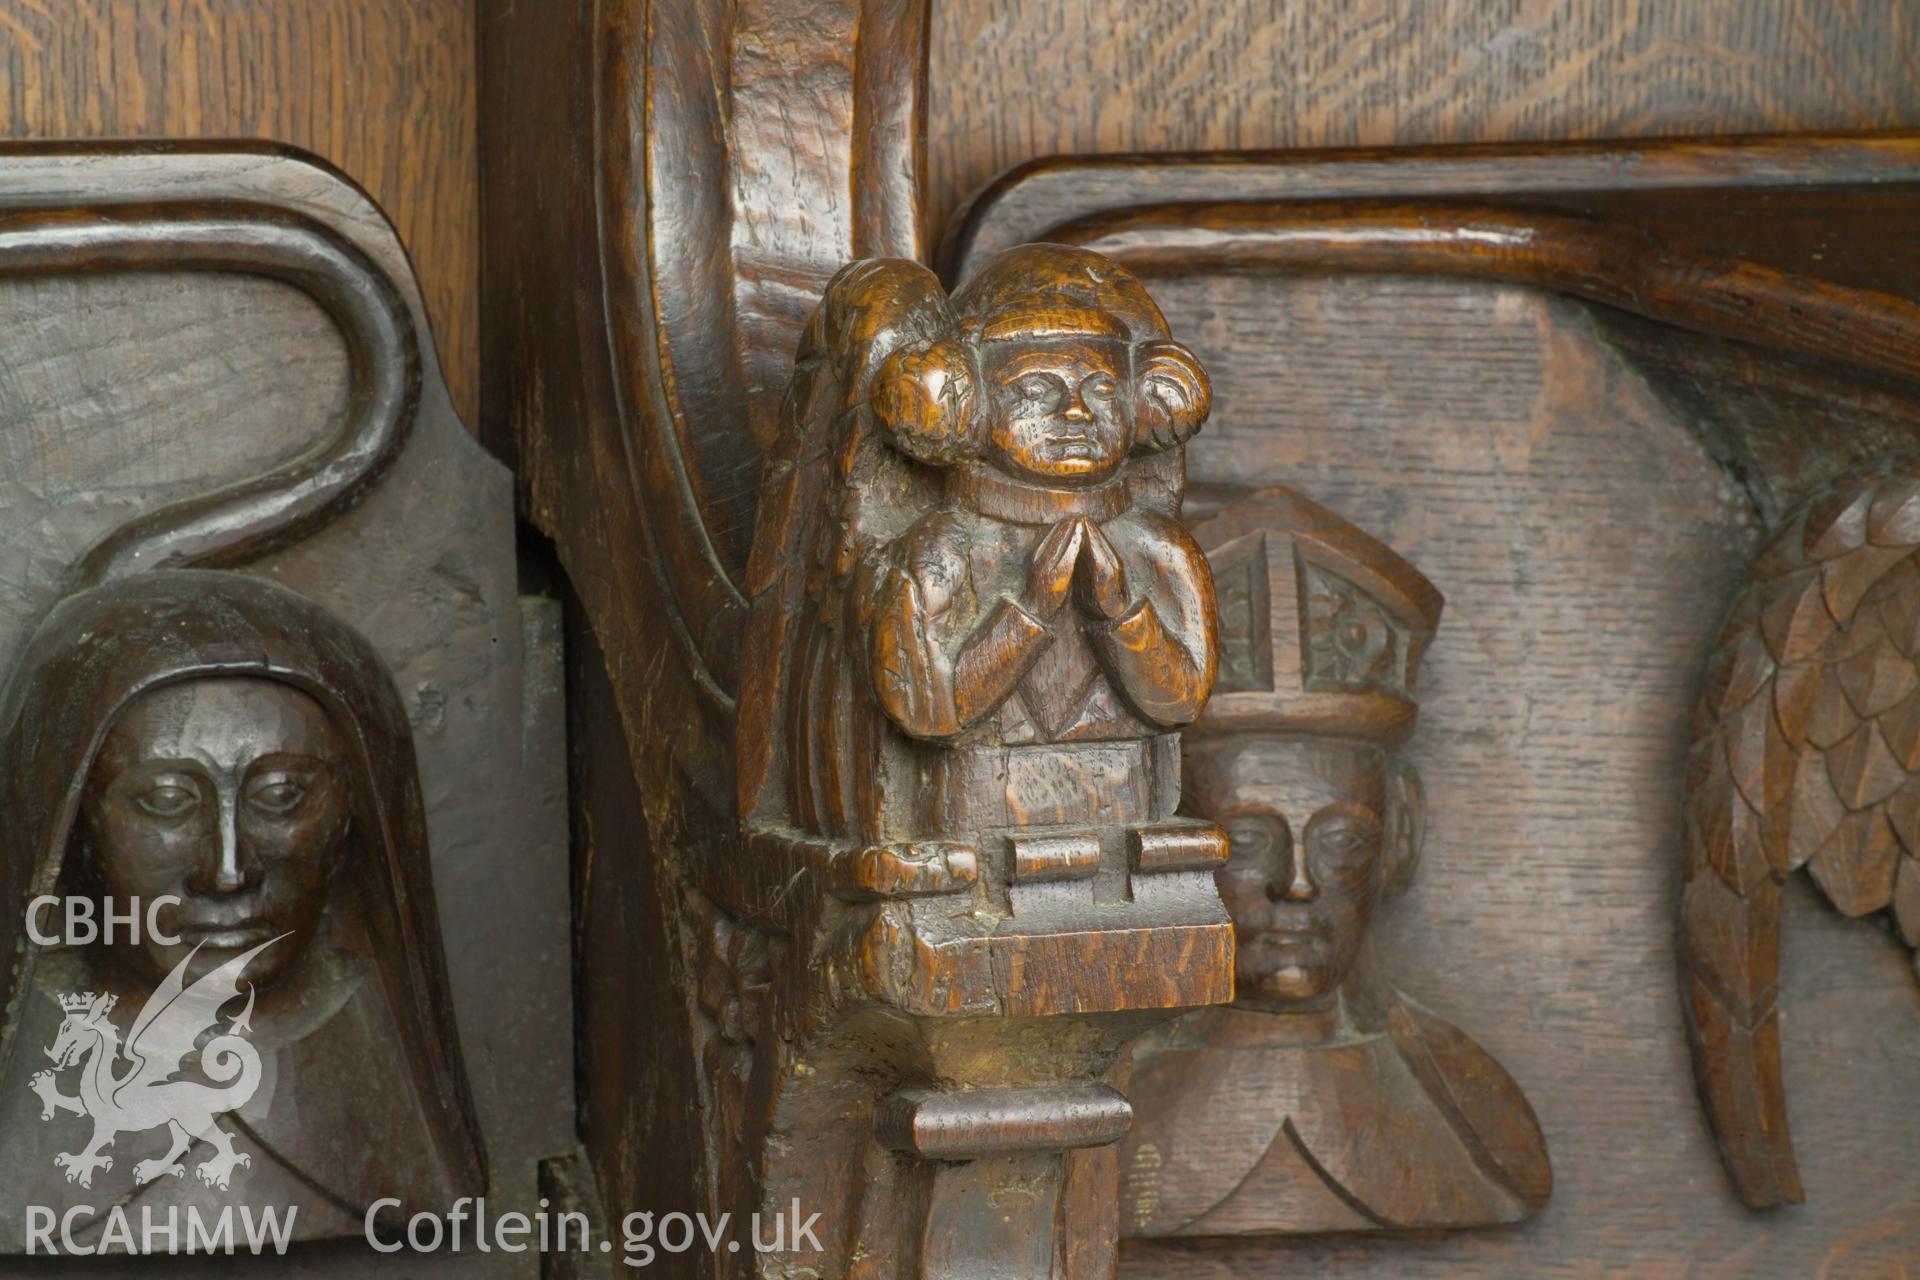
[1322,1099]
[1323,629]
[214,737]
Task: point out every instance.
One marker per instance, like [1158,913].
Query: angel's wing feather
[1805,753]
[164,1031]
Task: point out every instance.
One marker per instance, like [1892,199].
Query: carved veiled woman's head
[215,737]
[232,794]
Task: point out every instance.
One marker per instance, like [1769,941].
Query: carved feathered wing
[1805,753]
[835,489]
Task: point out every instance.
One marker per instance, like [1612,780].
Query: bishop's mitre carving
[1322,1098]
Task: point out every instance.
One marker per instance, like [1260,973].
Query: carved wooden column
[876,794]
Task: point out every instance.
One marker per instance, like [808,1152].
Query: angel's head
[1051,365]
[230,794]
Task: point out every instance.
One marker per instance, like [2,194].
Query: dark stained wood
[670,187]
[244,672]
[1735,197]
[799,564]
[1587,489]
[250,519]
[383,89]
[1014,81]
[220,359]
[795,679]
[670,393]
[617,886]
[976,623]
[1607,262]
[660,230]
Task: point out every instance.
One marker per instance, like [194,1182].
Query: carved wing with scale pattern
[1805,754]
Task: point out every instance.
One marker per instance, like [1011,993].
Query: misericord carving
[1322,1099]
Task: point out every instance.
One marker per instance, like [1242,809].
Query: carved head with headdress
[1322,632]
[1051,365]
[171,730]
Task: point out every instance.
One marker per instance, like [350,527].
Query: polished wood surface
[1623,266]
[383,89]
[1322,1099]
[670,187]
[1013,81]
[977,626]
[1713,196]
[1587,489]
[1804,748]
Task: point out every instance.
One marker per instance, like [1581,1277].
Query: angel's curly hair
[925,389]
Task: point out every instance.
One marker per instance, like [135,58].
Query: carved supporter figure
[1040,595]
[1322,1099]
[1037,588]
[216,738]
[976,623]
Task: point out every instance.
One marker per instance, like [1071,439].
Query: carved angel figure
[1805,750]
[976,624]
[1000,569]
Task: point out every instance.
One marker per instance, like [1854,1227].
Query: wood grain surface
[384,89]
[1013,80]
[1305,372]
[1587,545]
[121,393]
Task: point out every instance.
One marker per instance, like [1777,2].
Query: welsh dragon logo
[145,1094]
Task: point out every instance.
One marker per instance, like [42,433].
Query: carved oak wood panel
[220,359]
[1588,488]
[382,89]
[911,832]
[1014,82]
